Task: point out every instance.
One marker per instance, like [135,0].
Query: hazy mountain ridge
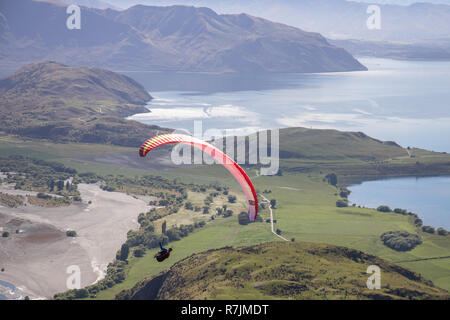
[282,271]
[177,38]
[438,49]
[341,19]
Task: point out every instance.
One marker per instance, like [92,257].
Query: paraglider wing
[238,173]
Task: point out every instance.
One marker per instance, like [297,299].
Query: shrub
[228,213]
[400,240]
[344,193]
[232,199]
[71,233]
[442,232]
[384,209]
[418,222]
[5,234]
[44,196]
[258,218]
[428,229]
[400,211]
[139,252]
[341,203]
[81,293]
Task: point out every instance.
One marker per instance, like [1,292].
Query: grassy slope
[287,271]
[306,212]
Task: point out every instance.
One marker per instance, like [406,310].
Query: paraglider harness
[163,254]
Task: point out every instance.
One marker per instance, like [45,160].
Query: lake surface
[429,197]
[404,101]
[7,285]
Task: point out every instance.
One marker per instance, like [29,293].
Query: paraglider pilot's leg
[162,248]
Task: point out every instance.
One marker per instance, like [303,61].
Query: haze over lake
[404,101]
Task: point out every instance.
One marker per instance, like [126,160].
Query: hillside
[334,145]
[282,271]
[45,88]
[77,104]
[176,38]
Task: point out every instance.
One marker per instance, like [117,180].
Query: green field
[307,212]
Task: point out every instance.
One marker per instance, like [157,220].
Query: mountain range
[175,38]
[341,19]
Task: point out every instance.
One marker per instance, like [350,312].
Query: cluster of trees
[400,240]
[244,219]
[39,175]
[438,231]
[12,201]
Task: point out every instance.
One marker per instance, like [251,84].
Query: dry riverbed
[36,255]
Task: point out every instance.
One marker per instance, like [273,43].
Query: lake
[429,197]
[404,101]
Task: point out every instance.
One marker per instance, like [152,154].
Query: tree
[124,251]
[442,232]
[243,218]
[205,210]
[273,203]
[384,209]
[68,186]
[278,231]
[332,179]
[189,206]
[60,185]
[164,227]
[51,185]
[232,199]
[428,229]
[5,234]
